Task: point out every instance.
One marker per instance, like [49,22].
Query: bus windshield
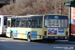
[56,21]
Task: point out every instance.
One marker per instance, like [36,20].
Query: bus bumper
[56,38]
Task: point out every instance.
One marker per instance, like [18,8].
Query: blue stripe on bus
[9,32]
[33,34]
[15,33]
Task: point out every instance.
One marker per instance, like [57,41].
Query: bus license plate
[46,37]
[56,37]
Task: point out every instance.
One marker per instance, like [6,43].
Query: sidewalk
[66,41]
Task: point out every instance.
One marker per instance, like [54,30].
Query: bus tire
[29,37]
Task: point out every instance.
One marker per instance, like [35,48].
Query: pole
[69,23]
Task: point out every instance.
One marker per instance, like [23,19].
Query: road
[17,44]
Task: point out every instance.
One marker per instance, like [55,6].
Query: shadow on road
[3,36]
[43,41]
[56,42]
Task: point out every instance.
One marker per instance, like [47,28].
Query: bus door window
[8,23]
[13,22]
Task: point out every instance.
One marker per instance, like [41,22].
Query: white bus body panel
[1,23]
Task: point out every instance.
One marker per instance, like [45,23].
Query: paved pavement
[17,44]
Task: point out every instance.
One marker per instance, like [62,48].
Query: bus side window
[29,25]
[36,23]
[32,23]
[20,23]
[13,22]
[17,23]
[39,24]
[23,24]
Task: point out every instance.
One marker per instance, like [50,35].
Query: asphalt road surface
[18,44]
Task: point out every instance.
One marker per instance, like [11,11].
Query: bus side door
[8,28]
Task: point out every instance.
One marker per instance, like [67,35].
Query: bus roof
[55,14]
[30,16]
[27,16]
[6,15]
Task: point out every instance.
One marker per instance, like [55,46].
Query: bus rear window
[56,21]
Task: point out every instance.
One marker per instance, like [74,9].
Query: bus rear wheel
[29,37]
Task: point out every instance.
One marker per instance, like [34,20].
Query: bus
[3,24]
[38,27]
